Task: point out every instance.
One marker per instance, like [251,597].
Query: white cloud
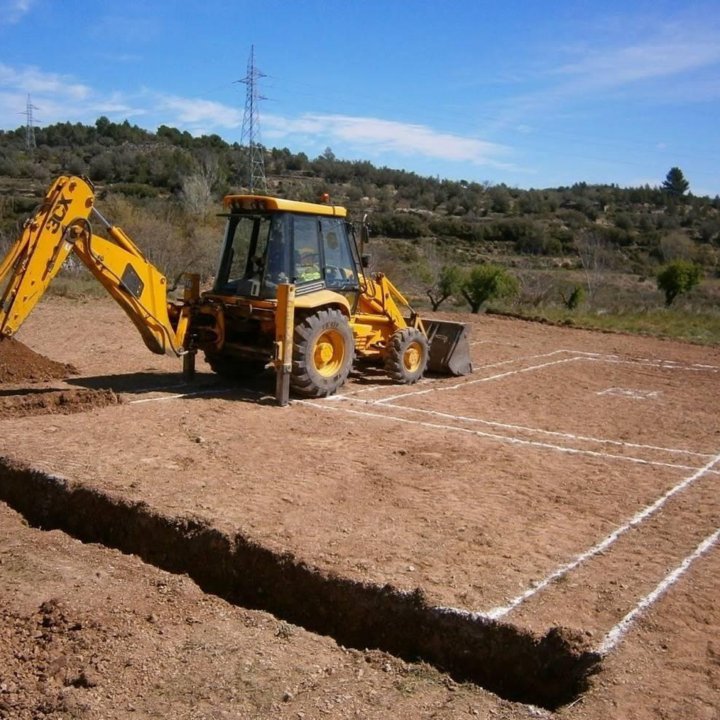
[376,135]
[32,80]
[12,11]
[641,59]
[662,60]
[198,112]
[59,98]
[654,59]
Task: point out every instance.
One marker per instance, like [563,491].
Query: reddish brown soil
[19,363]
[461,493]
[25,374]
[64,402]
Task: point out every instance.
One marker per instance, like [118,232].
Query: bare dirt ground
[571,482]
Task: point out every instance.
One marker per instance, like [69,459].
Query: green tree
[679,276]
[675,183]
[575,298]
[449,283]
[485,282]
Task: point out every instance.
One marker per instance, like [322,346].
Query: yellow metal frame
[379,315]
[61,226]
[249,203]
[38,254]
[284,331]
[381,308]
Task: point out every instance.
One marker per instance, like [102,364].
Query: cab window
[275,256]
[338,265]
[238,271]
[306,250]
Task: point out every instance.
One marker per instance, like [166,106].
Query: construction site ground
[438,550]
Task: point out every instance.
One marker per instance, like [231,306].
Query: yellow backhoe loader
[291,292]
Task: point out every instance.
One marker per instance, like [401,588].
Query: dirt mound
[52,660]
[19,363]
[55,401]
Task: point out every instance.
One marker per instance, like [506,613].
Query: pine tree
[675,183]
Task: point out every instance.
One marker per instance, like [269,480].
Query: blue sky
[531,94]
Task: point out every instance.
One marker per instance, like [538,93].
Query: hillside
[164,188]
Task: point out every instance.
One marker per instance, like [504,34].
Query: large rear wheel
[323,351]
[407,356]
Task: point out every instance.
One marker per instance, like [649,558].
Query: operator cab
[269,241]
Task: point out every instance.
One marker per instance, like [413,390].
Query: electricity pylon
[250,136]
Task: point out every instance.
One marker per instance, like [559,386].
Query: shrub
[678,277]
[485,282]
[575,298]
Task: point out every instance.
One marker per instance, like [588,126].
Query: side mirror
[365,261]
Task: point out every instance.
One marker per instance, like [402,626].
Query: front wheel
[407,356]
[323,351]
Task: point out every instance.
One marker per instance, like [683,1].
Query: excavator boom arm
[60,226]
[38,254]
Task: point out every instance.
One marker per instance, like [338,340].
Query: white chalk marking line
[615,635]
[387,402]
[539,431]
[575,355]
[604,544]
[578,354]
[630,393]
[467,383]
[208,391]
[426,381]
[493,436]
[493,342]
[670,364]
[651,362]
[701,366]
[156,388]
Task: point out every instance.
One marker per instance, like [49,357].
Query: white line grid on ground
[337,403]
[616,634]
[506,439]
[604,544]
[575,355]
[541,431]
[394,402]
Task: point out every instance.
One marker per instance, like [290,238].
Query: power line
[250,134]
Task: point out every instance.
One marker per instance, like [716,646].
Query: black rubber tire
[233,369]
[407,356]
[323,354]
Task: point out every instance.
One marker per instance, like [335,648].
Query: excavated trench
[548,671]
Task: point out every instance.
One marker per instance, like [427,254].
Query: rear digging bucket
[449,347]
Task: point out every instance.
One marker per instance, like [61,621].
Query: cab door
[338,265]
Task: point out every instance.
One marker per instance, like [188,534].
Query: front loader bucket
[449,347]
